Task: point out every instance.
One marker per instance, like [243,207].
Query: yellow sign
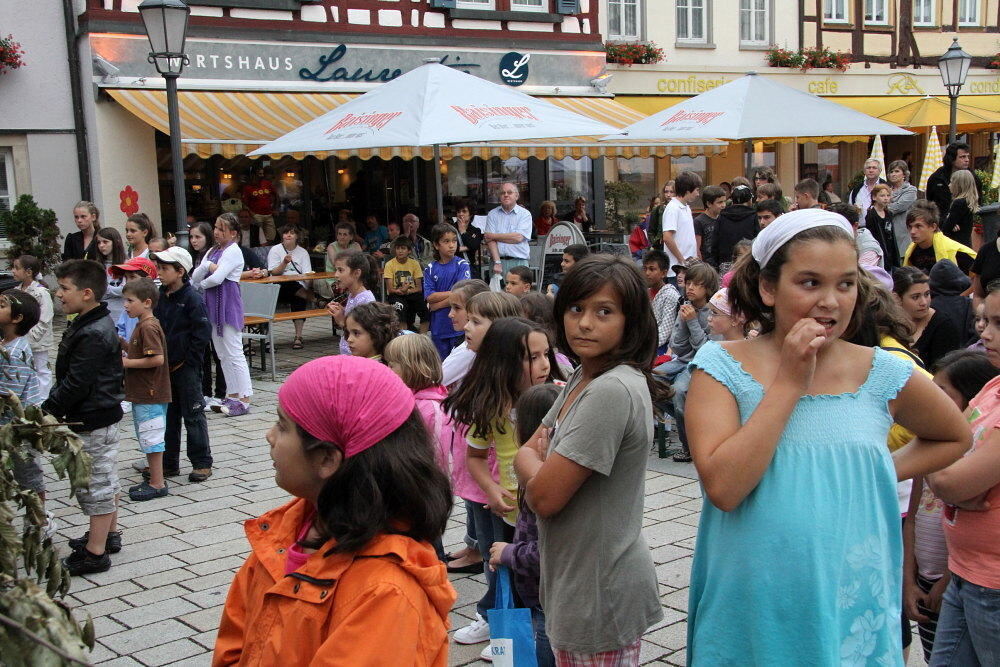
[691,84]
[903,84]
[825,86]
[991,86]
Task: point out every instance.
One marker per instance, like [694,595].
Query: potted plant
[806,59]
[10,54]
[630,53]
[32,231]
[989,209]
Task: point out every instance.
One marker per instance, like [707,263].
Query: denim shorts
[150,426]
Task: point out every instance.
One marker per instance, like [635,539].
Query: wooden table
[289,277]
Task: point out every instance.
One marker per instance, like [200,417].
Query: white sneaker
[487,654]
[211,401]
[473,633]
[50,527]
[126,407]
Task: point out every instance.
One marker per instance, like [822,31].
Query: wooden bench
[254,321]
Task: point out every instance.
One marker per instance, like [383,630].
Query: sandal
[297,344]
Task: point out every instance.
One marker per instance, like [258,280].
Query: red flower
[129,200]
[10,54]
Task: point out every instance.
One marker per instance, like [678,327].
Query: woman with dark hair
[934,335]
[82,244]
[345,572]
[200,238]
[583,470]
[139,231]
[470,237]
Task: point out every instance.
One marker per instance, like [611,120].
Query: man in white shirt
[679,240]
[861,196]
[507,230]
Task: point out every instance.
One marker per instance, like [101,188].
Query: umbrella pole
[748,151]
[437,182]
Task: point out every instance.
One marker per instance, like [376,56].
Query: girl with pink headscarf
[345,573]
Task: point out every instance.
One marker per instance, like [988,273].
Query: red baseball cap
[140,264]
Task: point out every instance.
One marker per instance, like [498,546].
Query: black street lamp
[166,24]
[954,66]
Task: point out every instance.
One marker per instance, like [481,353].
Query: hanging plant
[994,62]
[631,53]
[10,54]
[806,59]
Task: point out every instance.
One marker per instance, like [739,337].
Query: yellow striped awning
[233,123]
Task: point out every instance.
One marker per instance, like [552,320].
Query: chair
[536,259]
[260,300]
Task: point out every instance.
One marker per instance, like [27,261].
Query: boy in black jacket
[181,312]
[88,395]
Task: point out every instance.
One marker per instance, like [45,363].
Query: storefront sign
[825,86]
[355,63]
[692,84]
[903,84]
[514,68]
[990,86]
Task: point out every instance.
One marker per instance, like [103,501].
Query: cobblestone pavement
[161,601]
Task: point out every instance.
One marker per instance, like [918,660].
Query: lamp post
[166,26]
[954,66]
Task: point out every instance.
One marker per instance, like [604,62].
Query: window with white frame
[7,195]
[835,11]
[923,12]
[968,12]
[877,12]
[755,22]
[529,5]
[624,19]
[692,21]
[476,4]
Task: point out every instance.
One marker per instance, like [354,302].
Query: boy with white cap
[181,312]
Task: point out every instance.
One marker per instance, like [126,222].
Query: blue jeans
[543,650]
[968,631]
[489,529]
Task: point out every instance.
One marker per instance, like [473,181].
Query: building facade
[260,68]
[891,48]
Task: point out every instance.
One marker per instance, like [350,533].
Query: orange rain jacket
[385,605]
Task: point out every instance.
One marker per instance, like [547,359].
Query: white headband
[786,226]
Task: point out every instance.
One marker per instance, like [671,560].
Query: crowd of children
[538,413]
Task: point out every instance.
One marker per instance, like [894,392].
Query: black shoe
[682,457]
[471,568]
[112,545]
[143,492]
[82,561]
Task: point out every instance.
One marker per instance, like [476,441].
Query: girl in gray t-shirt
[584,470]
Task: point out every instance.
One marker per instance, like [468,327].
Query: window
[877,12]
[923,12]
[691,24]
[623,19]
[968,12]
[475,4]
[754,23]
[528,5]
[835,11]
[7,195]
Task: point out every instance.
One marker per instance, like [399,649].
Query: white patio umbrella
[433,105]
[755,107]
[878,154]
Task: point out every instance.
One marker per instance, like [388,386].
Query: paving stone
[201,493]
[667,533]
[169,653]
[189,524]
[201,583]
[164,578]
[209,505]
[676,573]
[152,613]
[105,625]
[208,598]
[156,634]
[205,620]
[214,551]
[229,563]
[104,607]
[139,568]
[154,595]
[99,593]
[122,662]
[206,639]
[671,636]
[213,535]
[141,551]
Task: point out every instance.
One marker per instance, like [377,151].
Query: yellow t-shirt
[506,447]
[402,273]
[898,435]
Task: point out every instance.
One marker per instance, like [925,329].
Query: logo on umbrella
[700,117]
[373,121]
[514,68]
[476,113]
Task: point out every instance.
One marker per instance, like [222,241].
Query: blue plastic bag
[512,638]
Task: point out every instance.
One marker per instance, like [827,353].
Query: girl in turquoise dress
[799,553]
